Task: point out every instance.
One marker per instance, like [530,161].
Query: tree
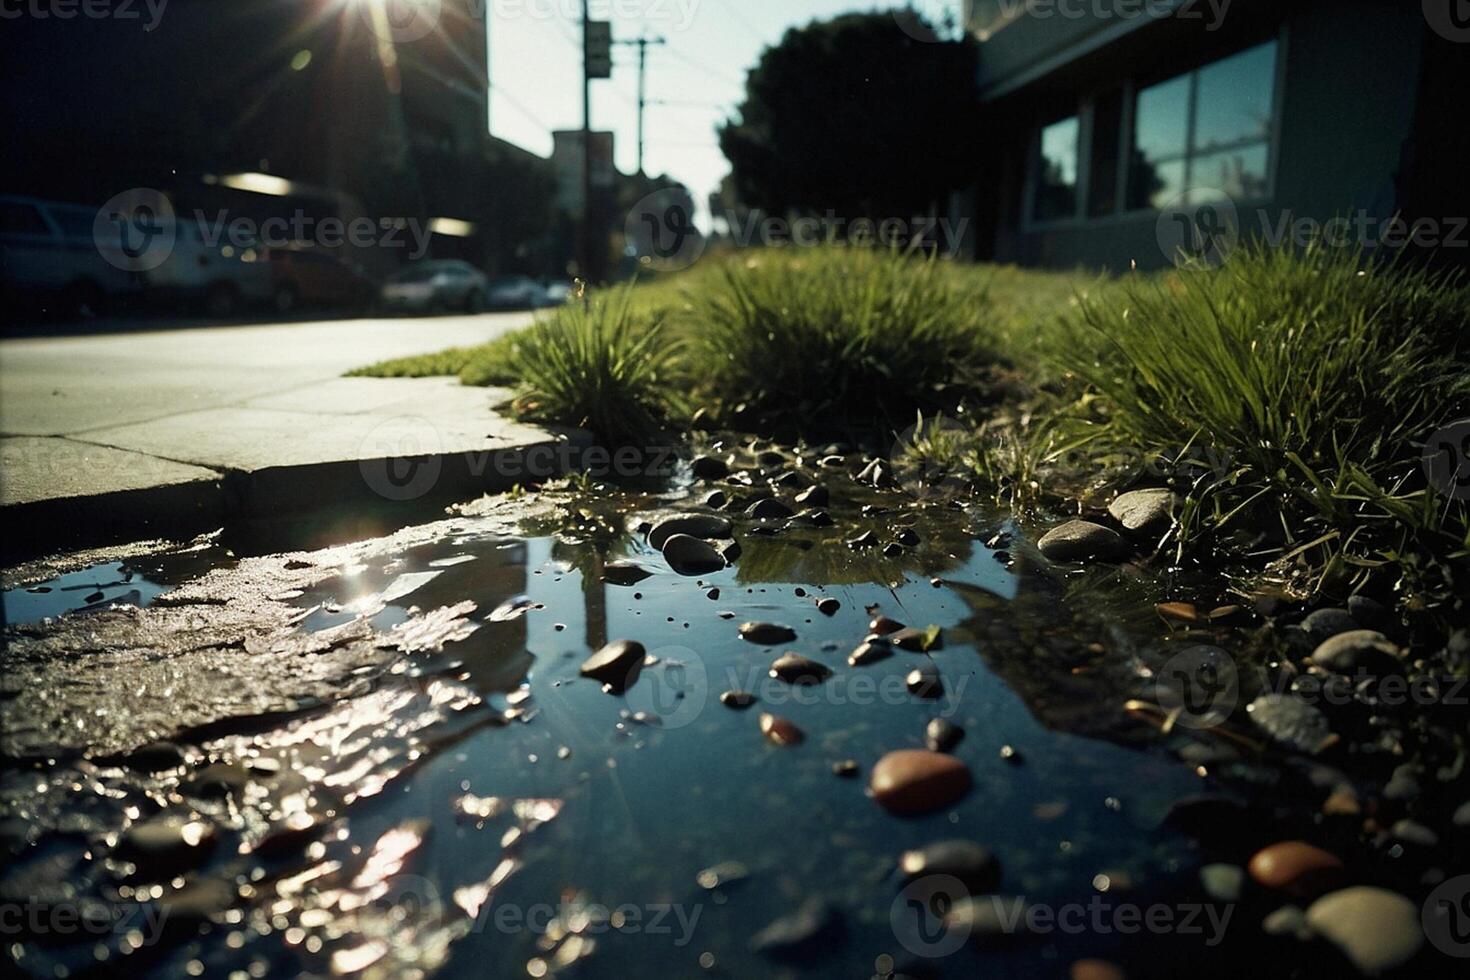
[856,115]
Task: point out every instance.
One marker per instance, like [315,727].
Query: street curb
[280,508]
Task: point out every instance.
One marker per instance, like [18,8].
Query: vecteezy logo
[1199,686]
[660,228]
[1446,460]
[1196,233]
[135,230]
[401,21]
[401,458]
[1446,917]
[672,692]
[919,913]
[1450,19]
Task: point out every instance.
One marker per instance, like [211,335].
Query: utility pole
[642,44]
[585,249]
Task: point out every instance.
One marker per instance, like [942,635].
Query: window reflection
[1056,189]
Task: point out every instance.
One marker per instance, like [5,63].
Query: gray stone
[1411,832]
[616,664]
[942,735]
[1357,650]
[1377,930]
[1326,623]
[768,509]
[973,865]
[1222,882]
[1083,541]
[1291,721]
[691,556]
[766,634]
[1144,513]
[694,525]
[796,669]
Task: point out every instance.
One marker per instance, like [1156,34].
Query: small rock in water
[987,918]
[617,664]
[893,549]
[739,700]
[882,625]
[768,509]
[724,873]
[828,606]
[908,782]
[916,640]
[1461,818]
[1296,868]
[796,669]
[876,474]
[1326,623]
[869,652]
[218,779]
[942,735]
[766,634]
[713,593]
[1222,882]
[847,768]
[1011,755]
[1369,612]
[709,468]
[1292,722]
[816,518]
[691,556]
[155,757]
[1083,541]
[624,573]
[1358,650]
[694,525]
[716,500]
[973,865]
[164,846]
[925,682]
[908,536]
[1377,930]
[1411,832]
[780,730]
[1144,513]
[813,496]
[865,540]
[1403,785]
[1289,920]
[798,934]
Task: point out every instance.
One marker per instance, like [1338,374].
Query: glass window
[1206,134]
[1107,129]
[1056,185]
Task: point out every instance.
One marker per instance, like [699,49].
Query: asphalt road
[73,383]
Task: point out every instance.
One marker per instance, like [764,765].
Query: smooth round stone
[738,700]
[1357,650]
[716,499]
[914,781]
[925,682]
[780,730]
[1377,930]
[1222,882]
[166,845]
[624,573]
[616,664]
[796,669]
[1143,513]
[1083,541]
[869,652]
[768,509]
[1329,622]
[915,640]
[973,865]
[813,496]
[155,757]
[882,626]
[908,537]
[1296,868]
[1291,721]
[766,634]
[846,768]
[691,556]
[709,468]
[694,525]
[1287,921]
[1412,832]
[942,735]
[828,606]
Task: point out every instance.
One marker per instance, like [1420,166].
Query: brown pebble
[616,664]
[1184,612]
[915,640]
[796,669]
[780,730]
[869,652]
[914,781]
[882,625]
[1296,868]
[739,700]
[1096,970]
[942,735]
[925,682]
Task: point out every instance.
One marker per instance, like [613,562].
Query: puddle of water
[97,587]
[484,810]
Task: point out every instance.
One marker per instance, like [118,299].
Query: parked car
[559,291]
[517,293]
[303,278]
[436,287]
[220,279]
[50,255]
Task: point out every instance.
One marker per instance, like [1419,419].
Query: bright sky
[535,72]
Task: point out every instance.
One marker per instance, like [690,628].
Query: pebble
[1291,721]
[816,518]
[882,625]
[1357,650]
[738,700]
[908,536]
[1377,930]
[973,865]
[846,768]
[914,781]
[988,917]
[617,664]
[1411,832]
[1083,541]
[709,468]
[156,757]
[690,556]
[768,509]
[1461,818]
[925,682]
[1183,612]
[1222,882]
[942,735]
[766,634]
[1144,513]
[915,640]
[716,500]
[869,652]
[1096,970]
[876,474]
[1328,622]
[1289,920]
[813,496]
[1011,755]
[893,549]
[166,845]
[865,540]
[796,669]
[794,935]
[1296,868]
[1403,785]
[828,606]
[694,525]
[624,573]
[781,731]
[832,461]
[724,873]
[1370,612]
[713,593]
[218,779]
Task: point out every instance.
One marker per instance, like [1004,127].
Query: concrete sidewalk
[170,432]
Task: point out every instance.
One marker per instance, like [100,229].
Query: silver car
[436,287]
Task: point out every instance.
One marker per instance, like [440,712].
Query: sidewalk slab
[41,468]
